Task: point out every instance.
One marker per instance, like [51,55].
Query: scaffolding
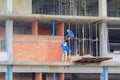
[66,7]
[86,39]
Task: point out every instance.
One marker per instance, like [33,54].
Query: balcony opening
[80,76]
[113,8]
[114,38]
[114,76]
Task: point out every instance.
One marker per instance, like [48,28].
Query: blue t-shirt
[65,47]
[70,33]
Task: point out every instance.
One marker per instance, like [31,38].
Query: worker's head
[68,30]
[65,43]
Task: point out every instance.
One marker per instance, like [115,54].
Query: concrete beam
[114,70]
[58,69]
[3,68]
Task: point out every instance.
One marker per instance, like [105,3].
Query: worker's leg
[65,54]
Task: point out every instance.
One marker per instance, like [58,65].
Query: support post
[103,8]
[53,28]
[9,38]
[103,39]
[54,76]
[9,6]
[9,45]
[105,74]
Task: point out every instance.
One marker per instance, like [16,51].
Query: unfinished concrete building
[32,31]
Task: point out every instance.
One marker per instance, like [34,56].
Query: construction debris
[87,59]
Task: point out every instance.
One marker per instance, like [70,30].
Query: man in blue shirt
[70,34]
[65,51]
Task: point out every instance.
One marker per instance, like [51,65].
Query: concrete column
[9,6]
[103,39]
[9,38]
[103,8]
[54,76]
[9,45]
[38,76]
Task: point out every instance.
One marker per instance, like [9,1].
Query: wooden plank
[92,59]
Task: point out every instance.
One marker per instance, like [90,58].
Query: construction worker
[65,51]
[70,34]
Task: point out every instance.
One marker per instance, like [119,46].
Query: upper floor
[40,40]
[111,8]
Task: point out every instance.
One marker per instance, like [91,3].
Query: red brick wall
[35,28]
[2,76]
[50,76]
[60,29]
[44,31]
[60,76]
[37,51]
[2,32]
[38,76]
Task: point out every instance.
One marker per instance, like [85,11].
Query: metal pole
[53,28]
[76,38]
[8,72]
[79,39]
[105,75]
[91,34]
[90,40]
[83,37]
[54,76]
[69,41]
[96,41]
[85,7]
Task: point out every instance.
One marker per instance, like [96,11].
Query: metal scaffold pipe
[76,38]
[83,39]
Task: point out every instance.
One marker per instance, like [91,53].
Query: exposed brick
[38,76]
[60,29]
[37,51]
[2,76]
[35,28]
[60,76]
[44,31]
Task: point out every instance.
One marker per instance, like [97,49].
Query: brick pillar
[60,29]
[35,28]
[60,76]
[38,76]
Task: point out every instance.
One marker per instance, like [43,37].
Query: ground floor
[60,76]
[59,72]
